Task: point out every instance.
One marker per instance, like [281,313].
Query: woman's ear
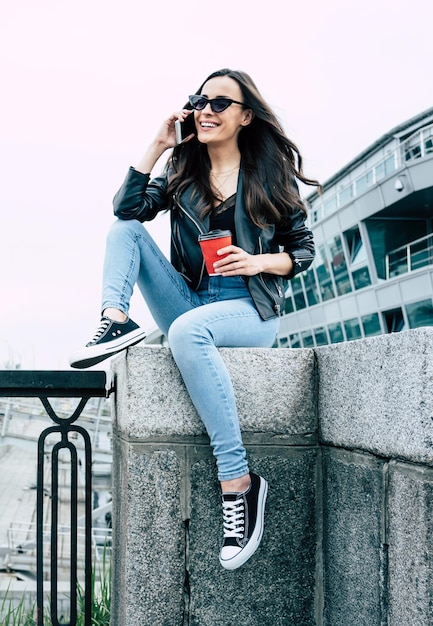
[247,117]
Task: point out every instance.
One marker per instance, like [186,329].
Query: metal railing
[417,146]
[46,385]
[409,257]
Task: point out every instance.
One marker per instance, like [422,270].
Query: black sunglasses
[218,105]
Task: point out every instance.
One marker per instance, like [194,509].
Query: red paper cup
[210,243]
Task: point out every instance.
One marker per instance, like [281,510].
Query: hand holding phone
[181,134]
[178,129]
[184,126]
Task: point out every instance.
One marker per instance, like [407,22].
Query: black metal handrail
[61,384]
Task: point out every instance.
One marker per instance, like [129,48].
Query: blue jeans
[220,313]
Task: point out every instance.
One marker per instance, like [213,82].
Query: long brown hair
[267,155]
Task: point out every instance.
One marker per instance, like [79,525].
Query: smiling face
[219,128]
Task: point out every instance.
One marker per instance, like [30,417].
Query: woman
[237,171]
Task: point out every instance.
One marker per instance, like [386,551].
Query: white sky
[86,83]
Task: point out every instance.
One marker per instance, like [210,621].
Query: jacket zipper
[199,228]
[276,307]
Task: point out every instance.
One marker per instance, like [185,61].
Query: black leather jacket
[142,199]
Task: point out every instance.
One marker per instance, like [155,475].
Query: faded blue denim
[220,314]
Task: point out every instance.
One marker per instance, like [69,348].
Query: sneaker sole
[86,357]
[256,537]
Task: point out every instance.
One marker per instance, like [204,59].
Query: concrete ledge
[377,395]
[343,434]
[166,501]
[147,377]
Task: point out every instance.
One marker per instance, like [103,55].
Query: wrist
[150,157]
[265,263]
[278,263]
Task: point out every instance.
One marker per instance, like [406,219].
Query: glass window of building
[329,206]
[397,262]
[320,336]
[352,329]
[428,140]
[421,252]
[357,252]
[364,182]
[314,216]
[298,293]
[288,304]
[339,266]
[412,147]
[390,165]
[307,339]
[335,333]
[315,210]
[371,325]
[357,256]
[345,195]
[361,278]
[311,288]
[420,313]
[385,168]
[295,340]
[394,320]
[323,274]
[386,238]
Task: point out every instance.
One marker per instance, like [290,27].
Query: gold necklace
[220,182]
[225,172]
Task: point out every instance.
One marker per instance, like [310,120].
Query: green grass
[11,615]
[18,615]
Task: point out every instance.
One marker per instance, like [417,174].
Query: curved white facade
[373,228]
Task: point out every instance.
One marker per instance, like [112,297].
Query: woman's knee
[186,330]
[178,333]
[119,227]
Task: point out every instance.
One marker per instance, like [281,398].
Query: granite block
[410,538]
[274,388]
[277,585]
[353,526]
[149,539]
[377,395]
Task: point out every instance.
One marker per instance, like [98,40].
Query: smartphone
[178,129]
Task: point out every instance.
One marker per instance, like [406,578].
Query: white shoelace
[100,330]
[234,518]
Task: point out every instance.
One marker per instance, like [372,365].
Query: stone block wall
[343,434]
[375,409]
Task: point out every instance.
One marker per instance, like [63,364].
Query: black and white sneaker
[110,338]
[243,523]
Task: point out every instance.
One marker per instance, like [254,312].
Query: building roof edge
[397,130]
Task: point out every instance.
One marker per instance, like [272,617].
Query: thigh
[165,291]
[228,323]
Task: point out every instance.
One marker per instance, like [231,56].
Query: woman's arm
[165,139]
[239,262]
[296,241]
[139,197]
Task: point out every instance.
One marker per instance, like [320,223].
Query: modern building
[373,227]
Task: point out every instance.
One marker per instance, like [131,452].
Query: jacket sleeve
[140,198]
[297,240]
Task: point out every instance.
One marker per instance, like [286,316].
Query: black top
[223,217]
